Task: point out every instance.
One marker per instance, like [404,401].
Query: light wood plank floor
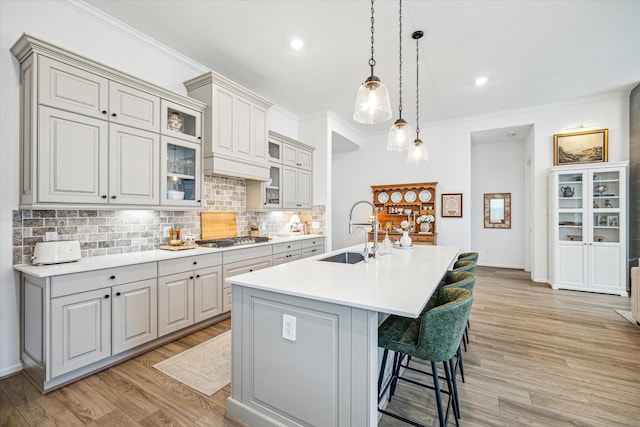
[537,357]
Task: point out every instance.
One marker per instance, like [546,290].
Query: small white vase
[405,240]
[425,227]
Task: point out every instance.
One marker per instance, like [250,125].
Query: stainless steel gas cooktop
[231,241]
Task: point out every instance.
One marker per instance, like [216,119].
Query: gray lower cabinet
[73,321]
[242,261]
[311,247]
[287,252]
[189,291]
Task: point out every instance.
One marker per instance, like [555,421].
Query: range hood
[235,128]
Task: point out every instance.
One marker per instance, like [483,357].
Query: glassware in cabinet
[181,172]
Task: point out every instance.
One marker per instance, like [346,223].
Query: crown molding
[133,34]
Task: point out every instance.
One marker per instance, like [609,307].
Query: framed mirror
[497,210]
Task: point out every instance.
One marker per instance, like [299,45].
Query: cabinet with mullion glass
[587,245]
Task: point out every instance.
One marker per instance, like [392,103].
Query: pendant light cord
[417,90]
[400,55]
[372,62]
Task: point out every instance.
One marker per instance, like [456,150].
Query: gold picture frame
[451,205]
[497,210]
[590,146]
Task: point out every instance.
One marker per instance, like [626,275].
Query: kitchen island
[304,335]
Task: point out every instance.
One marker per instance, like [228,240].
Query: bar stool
[433,337]
[468,256]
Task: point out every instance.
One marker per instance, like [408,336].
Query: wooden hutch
[393,203]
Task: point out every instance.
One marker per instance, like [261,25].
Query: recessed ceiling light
[297,44]
[481,80]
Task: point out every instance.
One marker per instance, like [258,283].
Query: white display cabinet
[588,228]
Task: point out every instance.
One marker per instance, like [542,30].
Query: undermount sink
[345,258]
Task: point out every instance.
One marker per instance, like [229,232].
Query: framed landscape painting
[581,147]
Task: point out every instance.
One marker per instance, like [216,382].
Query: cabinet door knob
[250,270]
[106,297]
[104,196]
[198,201]
[197,276]
[195,262]
[112,277]
[104,111]
[113,197]
[117,294]
[190,277]
[113,114]
[199,137]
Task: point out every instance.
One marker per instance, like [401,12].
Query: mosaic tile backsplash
[110,231]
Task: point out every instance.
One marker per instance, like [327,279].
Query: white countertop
[400,283]
[119,260]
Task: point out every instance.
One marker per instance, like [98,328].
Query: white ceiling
[534,52]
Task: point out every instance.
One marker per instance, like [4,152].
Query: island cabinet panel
[324,351]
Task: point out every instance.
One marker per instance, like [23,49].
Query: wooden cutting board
[218,225]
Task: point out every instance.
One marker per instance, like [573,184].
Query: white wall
[82,30]
[450,165]
[499,167]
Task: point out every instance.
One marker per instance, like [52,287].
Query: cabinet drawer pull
[106,297]
[117,294]
[112,277]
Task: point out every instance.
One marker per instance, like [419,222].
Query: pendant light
[400,133]
[372,100]
[418,153]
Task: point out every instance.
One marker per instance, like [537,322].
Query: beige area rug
[205,367]
[627,315]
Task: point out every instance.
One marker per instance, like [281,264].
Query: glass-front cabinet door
[180,121]
[181,174]
[570,202]
[273,189]
[606,206]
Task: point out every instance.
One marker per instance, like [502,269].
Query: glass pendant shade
[400,136]
[418,154]
[372,102]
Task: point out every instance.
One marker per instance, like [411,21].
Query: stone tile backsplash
[110,231]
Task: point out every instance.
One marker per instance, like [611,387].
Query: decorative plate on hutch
[396,197]
[410,196]
[383,197]
[425,196]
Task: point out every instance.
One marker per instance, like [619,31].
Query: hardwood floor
[537,357]
[540,357]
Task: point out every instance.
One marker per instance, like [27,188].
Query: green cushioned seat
[465,266]
[468,256]
[435,337]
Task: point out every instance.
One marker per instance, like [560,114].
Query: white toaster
[56,252]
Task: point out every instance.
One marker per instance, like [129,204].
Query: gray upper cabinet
[90,134]
[235,127]
[291,170]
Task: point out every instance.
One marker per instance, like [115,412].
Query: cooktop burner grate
[231,241]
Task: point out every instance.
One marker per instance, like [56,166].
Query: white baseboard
[9,370]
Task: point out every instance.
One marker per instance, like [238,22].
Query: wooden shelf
[392,200]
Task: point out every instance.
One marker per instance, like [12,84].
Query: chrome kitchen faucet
[374,247]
